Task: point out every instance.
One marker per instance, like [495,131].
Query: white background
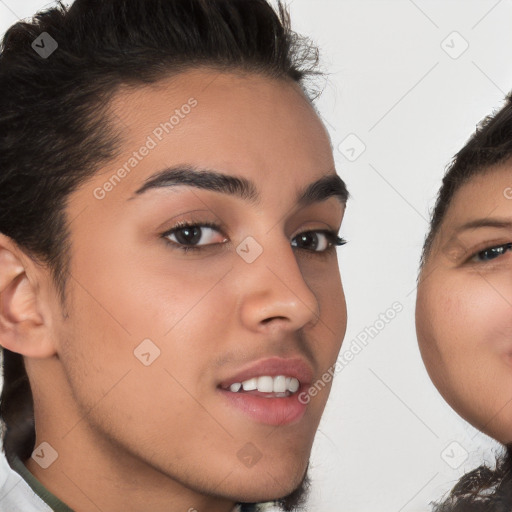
[394,84]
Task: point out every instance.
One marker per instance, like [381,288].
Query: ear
[24,329]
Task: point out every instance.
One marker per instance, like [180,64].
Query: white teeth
[250,385]
[294,385]
[279,384]
[267,384]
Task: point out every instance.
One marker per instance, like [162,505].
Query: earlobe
[23,328]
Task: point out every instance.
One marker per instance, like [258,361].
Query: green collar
[50,499]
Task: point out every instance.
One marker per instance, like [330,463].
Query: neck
[93,471]
[92,476]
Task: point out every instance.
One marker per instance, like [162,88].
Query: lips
[273,367]
[270,408]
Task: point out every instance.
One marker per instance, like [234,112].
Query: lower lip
[270,411]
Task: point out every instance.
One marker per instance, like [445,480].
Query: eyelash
[332,237]
[505,247]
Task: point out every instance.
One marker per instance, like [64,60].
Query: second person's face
[464,305]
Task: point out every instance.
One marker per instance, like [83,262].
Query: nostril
[267,320]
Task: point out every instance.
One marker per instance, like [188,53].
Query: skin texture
[463,314]
[159,437]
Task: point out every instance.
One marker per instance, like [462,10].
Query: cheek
[470,316]
[118,303]
[464,328]
[458,318]
[147,295]
[110,381]
[327,287]
[434,326]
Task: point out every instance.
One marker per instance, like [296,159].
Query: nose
[274,292]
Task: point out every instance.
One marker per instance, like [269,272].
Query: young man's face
[139,390]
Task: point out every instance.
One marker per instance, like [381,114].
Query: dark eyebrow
[484,223]
[330,185]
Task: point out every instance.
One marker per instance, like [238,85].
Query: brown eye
[317,241]
[194,236]
[188,236]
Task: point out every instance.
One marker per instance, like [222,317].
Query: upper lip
[293,367]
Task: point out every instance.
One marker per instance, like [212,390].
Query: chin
[271,485]
[501,432]
[488,421]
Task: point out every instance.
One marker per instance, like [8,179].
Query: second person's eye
[491,253]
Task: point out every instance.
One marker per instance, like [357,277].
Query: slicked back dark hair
[56,129]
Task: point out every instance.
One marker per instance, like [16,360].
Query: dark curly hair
[484,489]
[56,130]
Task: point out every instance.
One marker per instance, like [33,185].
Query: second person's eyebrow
[500,223]
[330,185]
